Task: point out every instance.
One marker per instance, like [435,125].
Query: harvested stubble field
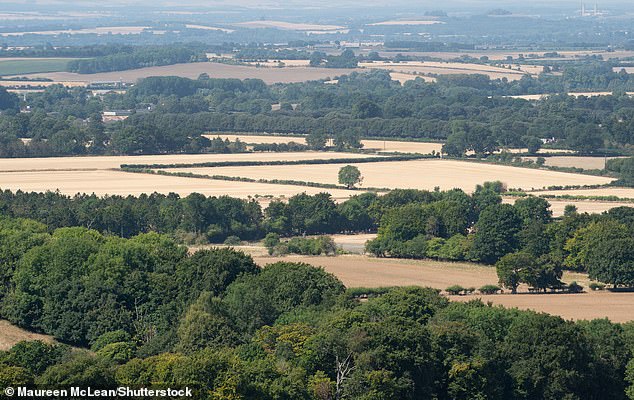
[591,207]
[215,70]
[624,193]
[446,68]
[416,174]
[362,271]
[108,162]
[289,26]
[105,182]
[71,175]
[575,161]
[368,144]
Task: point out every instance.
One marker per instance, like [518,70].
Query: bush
[455,290]
[596,286]
[489,289]
[574,287]
[232,241]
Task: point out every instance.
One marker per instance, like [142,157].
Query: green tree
[496,233]
[350,176]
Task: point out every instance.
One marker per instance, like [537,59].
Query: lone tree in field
[350,176]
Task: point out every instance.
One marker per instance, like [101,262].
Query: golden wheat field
[363,271]
[215,70]
[417,174]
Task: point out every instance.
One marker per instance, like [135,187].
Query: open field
[18,83]
[573,94]
[71,175]
[368,144]
[583,206]
[289,26]
[208,28]
[445,68]
[11,334]
[407,22]
[362,271]
[104,30]
[501,55]
[215,70]
[625,193]
[105,182]
[109,162]
[575,161]
[416,174]
[32,65]
[404,77]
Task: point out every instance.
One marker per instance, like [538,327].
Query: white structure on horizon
[591,13]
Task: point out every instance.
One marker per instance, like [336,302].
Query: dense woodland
[155,316]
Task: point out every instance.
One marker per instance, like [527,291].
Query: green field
[32,66]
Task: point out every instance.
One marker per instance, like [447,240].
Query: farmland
[362,271]
[418,174]
[575,161]
[193,70]
[368,144]
[26,66]
[447,68]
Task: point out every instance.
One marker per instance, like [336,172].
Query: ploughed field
[362,271]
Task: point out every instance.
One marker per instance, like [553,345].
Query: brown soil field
[625,193]
[102,182]
[215,70]
[417,174]
[445,68]
[575,161]
[108,162]
[11,334]
[362,271]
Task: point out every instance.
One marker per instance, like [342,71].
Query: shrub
[455,290]
[574,287]
[232,241]
[489,289]
[596,286]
